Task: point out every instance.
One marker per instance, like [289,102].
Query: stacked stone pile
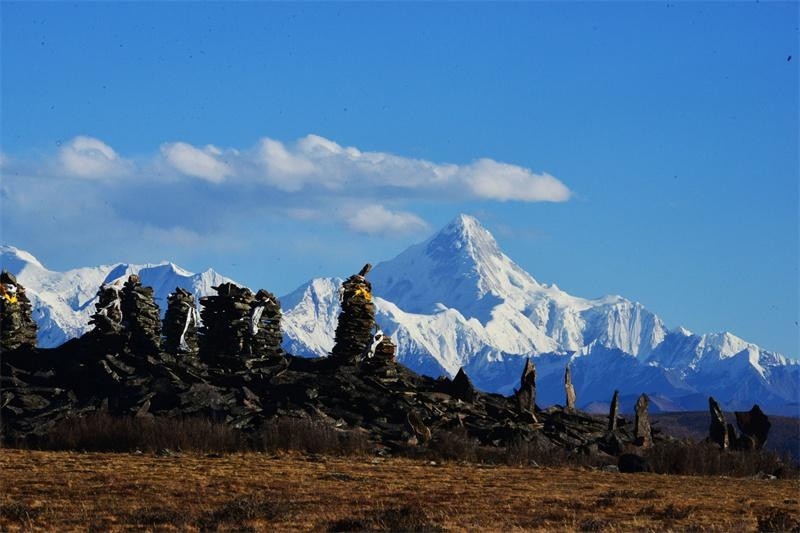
[180,323]
[226,322]
[107,318]
[526,395]
[265,337]
[140,316]
[357,319]
[17,327]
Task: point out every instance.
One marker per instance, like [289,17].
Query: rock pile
[356,321]
[265,337]
[140,316]
[180,323]
[226,322]
[107,318]
[462,387]
[17,327]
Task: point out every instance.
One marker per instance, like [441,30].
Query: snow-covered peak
[14,259]
[461,267]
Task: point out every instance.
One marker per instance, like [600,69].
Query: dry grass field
[62,491]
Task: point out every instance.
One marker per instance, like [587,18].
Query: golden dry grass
[127,492]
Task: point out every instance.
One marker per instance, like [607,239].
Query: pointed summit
[461,267]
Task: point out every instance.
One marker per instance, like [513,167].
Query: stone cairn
[644,436]
[180,323]
[462,387]
[718,430]
[17,327]
[613,412]
[569,389]
[356,321]
[107,318]
[238,323]
[526,395]
[226,322]
[140,316]
[264,336]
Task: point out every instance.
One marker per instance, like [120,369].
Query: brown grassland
[62,491]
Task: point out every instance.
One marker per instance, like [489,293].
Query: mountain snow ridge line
[456,300]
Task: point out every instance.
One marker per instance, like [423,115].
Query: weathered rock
[356,321]
[613,412]
[418,427]
[644,434]
[141,318]
[630,464]
[265,337]
[718,430]
[17,327]
[226,322]
[569,389]
[180,323]
[462,387]
[755,425]
[107,318]
[526,395]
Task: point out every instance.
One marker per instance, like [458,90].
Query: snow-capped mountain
[456,300]
[64,301]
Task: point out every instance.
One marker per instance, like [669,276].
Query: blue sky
[642,149]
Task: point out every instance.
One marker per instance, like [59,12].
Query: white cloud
[87,157]
[499,181]
[376,219]
[315,160]
[192,161]
[284,170]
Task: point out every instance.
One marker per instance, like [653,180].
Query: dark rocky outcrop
[629,463]
[17,327]
[754,425]
[243,380]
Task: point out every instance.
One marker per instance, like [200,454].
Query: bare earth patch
[256,492]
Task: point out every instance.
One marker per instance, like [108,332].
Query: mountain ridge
[456,300]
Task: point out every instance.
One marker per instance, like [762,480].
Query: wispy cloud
[87,157]
[187,194]
[192,161]
[376,219]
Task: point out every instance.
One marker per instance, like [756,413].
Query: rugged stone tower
[140,316]
[17,327]
[180,323]
[356,321]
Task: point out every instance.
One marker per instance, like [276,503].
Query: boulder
[755,425]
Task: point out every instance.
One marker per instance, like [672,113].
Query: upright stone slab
[17,327]
[140,316]
[356,320]
[644,436]
[613,412]
[462,387]
[569,389]
[180,323]
[755,425]
[526,395]
[718,429]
